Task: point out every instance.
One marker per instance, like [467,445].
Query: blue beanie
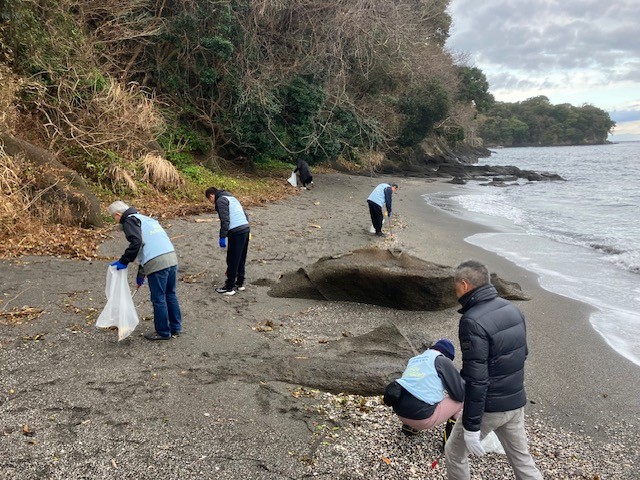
[445,347]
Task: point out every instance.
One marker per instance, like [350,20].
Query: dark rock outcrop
[388,278]
[361,365]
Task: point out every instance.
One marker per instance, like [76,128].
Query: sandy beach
[224,399]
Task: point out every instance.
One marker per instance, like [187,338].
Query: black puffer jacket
[493,340]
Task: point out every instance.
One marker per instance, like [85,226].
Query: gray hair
[473,272]
[117,207]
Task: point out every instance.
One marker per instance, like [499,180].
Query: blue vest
[155,241]
[377,196]
[237,217]
[421,379]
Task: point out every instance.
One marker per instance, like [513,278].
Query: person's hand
[472,441]
[389,215]
[140,280]
[223,242]
[118,265]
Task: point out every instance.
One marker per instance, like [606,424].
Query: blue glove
[140,280]
[223,242]
[118,265]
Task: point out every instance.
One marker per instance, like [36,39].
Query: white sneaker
[224,291]
[240,288]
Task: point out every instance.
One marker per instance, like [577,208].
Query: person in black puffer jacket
[493,340]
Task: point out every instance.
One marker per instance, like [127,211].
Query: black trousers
[306,181]
[237,247]
[376,215]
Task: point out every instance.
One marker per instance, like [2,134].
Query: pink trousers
[445,409]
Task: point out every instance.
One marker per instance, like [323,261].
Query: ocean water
[582,236]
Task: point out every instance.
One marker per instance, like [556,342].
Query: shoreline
[559,331]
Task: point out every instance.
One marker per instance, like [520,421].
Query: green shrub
[423,106]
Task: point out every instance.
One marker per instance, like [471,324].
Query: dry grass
[25,225]
[115,119]
[120,178]
[161,173]
[368,162]
[14,188]
[25,222]
[372,160]
[9,85]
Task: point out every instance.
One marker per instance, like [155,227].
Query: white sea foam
[582,236]
[578,273]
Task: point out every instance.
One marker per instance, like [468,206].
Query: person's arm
[222,207]
[388,193]
[133,233]
[474,343]
[451,379]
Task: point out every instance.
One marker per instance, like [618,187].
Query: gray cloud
[547,35]
[576,51]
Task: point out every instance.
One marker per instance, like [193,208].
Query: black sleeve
[222,206]
[297,168]
[388,192]
[133,233]
[475,372]
[453,382]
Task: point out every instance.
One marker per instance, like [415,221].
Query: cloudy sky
[572,51]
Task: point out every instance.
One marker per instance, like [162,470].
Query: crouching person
[430,391]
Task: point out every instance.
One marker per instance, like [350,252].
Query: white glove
[472,440]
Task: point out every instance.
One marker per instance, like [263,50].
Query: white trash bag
[293,180]
[491,444]
[119,311]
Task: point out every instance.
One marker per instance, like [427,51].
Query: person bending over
[149,244]
[234,227]
[381,195]
[306,179]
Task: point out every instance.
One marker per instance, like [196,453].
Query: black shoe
[409,431]
[177,334]
[226,291]
[381,234]
[155,336]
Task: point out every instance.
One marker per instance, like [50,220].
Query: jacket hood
[477,295]
[126,213]
[222,193]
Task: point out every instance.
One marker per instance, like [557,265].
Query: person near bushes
[234,235]
[381,195]
[150,245]
[493,341]
[306,179]
[430,391]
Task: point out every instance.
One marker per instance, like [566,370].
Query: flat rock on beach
[242,393]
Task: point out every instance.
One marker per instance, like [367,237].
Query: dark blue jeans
[166,312]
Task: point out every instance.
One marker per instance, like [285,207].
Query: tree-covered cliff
[537,122]
[261,79]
